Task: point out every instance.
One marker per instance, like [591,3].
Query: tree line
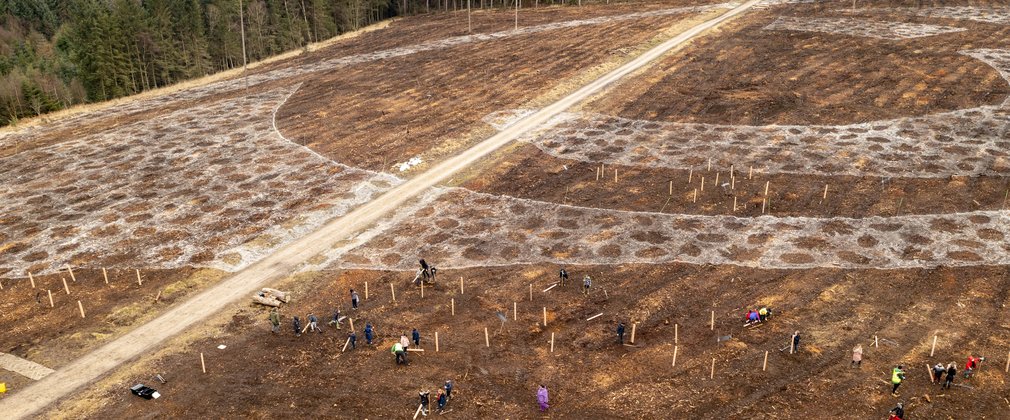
[57,53]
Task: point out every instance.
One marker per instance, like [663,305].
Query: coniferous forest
[57,53]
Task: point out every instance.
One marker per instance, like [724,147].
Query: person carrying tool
[314,324]
[298,327]
[275,320]
[897,375]
[424,402]
[448,389]
[369,333]
[971,365]
[586,283]
[563,276]
[938,371]
[354,339]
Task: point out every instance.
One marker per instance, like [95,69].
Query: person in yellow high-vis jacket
[897,375]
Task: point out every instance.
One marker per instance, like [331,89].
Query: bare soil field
[889,125]
[282,375]
[203,178]
[846,167]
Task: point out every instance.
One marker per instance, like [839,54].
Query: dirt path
[147,337]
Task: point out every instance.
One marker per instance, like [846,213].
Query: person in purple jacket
[542,398]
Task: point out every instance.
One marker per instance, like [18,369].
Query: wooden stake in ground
[515,311]
[452,303]
[139,281]
[767,183]
[81,307]
[71,271]
[710,164]
[792,345]
[732,182]
[675,332]
[461,285]
[875,342]
[764,366]
[487,338]
[351,321]
[671,187]
[32,279]
[597,173]
[933,350]
[674,357]
[711,374]
[712,323]
[157,298]
[694,198]
[366,290]
[552,342]
[690,175]
[531,292]
[716,183]
[702,186]
[750,173]
[545,316]
[436,341]
[105,275]
[50,293]
[932,379]
[633,325]
[1007,368]
[734,204]
[65,288]
[615,174]
[825,196]
[764,202]
[203,366]
[392,291]
[422,289]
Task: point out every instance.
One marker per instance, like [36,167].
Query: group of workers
[587,281]
[441,398]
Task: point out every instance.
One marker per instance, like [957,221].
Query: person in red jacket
[970,366]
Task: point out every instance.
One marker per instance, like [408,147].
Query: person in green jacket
[401,355]
[275,320]
[897,375]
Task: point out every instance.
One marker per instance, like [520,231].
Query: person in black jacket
[563,275]
[620,332]
[416,336]
[951,373]
[424,402]
[898,412]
